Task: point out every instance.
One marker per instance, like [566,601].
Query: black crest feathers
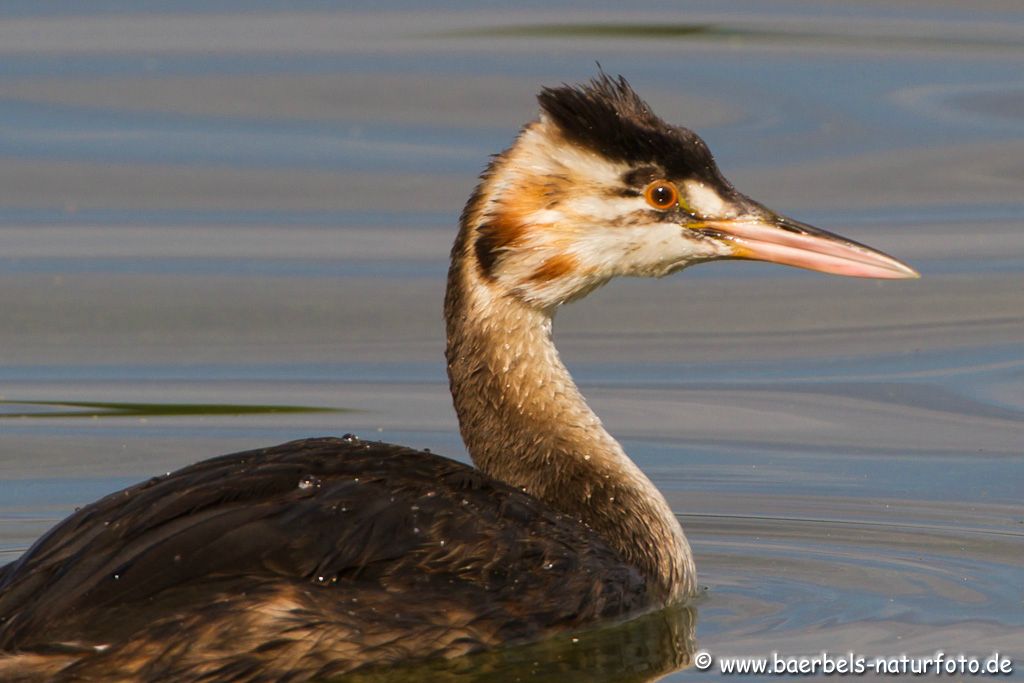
[607,115]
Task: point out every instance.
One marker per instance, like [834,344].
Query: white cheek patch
[705,201]
[647,249]
[605,210]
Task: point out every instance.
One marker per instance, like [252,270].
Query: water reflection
[862,35]
[67,409]
[644,649]
[199,208]
[805,586]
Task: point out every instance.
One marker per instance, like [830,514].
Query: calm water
[252,203]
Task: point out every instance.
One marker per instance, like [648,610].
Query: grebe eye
[662,195]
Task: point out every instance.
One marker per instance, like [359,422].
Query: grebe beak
[778,239]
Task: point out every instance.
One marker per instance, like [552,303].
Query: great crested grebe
[321,556]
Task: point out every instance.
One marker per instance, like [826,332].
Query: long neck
[525,423]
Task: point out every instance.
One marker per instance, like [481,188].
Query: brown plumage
[299,561]
[330,556]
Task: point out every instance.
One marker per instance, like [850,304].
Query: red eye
[661,194]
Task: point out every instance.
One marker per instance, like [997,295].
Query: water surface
[251,204]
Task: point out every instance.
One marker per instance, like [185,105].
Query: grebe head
[599,186]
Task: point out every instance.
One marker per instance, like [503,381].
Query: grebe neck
[526,423]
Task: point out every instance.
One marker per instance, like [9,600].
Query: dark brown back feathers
[334,553]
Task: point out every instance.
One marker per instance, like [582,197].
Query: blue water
[253,203]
